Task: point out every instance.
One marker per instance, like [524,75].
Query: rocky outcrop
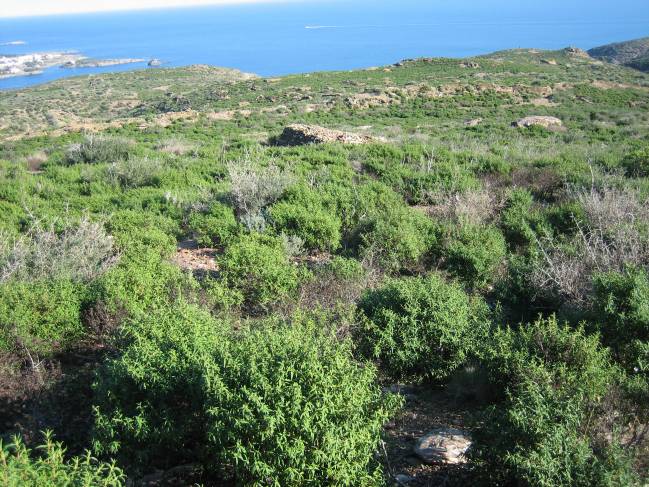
[539,121]
[99,63]
[474,122]
[369,100]
[298,134]
[576,52]
[443,445]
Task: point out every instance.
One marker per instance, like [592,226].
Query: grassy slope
[604,107]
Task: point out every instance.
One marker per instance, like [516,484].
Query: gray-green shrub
[96,149]
[135,172]
[80,252]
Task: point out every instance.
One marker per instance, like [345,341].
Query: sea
[277,38]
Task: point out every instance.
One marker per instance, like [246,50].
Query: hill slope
[634,54]
[224,281]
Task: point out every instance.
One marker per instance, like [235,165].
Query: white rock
[443,445]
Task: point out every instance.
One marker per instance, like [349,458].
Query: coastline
[17,65]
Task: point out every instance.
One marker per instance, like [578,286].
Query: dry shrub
[177,147]
[135,172]
[254,188]
[96,149]
[542,181]
[80,252]
[474,207]
[611,239]
[36,160]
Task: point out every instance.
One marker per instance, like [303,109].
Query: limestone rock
[443,445]
[368,100]
[298,134]
[539,120]
[576,52]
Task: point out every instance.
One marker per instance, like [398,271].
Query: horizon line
[174,5]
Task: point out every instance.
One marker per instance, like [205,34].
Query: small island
[98,63]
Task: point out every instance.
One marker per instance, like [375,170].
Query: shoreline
[18,65]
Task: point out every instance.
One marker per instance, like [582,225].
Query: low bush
[612,237]
[40,316]
[96,149]
[135,232]
[621,306]
[258,268]
[475,254]
[636,163]
[80,252]
[316,227]
[344,268]
[215,226]
[552,381]
[517,218]
[278,405]
[135,172]
[396,239]
[420,328]
[254,188]
[19,467]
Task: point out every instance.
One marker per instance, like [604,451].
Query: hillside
[429,273]
[634,54]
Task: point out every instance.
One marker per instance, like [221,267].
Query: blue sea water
[272,39]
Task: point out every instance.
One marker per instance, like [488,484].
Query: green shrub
[97,149]
[621,305]
[20,468]
[150,402]
[257,267]
[278,405]
[636,163]
[136,231]
[418,172]
[475,254]
[216,226]
[309,414]
[344,268]
[516,216]
[421,328]
[318,228]
[552,380]
[40,316]
[396,239]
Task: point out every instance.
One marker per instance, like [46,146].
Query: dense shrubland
[515,260]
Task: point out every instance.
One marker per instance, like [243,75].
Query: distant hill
[634,54]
